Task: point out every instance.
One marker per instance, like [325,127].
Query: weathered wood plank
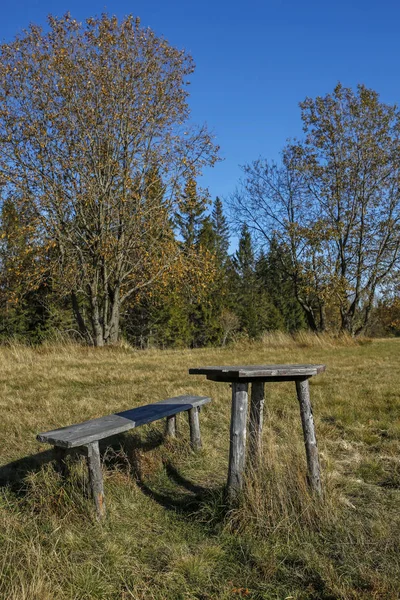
[194,425]
[259,371]
[229,379]
[171,426]
[237,449]
[310,440]
[256,420]
[97,429]
[96,478]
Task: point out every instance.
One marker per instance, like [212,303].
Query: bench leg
[171,426]
[60,454]
[194,425]
[96,478]
[310,440]
[256,421]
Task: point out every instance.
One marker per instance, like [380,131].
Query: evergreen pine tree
[221,230]
[207,237]
[212,242]
[245,284]
[28,308]
[196,234]
[209,328]
[191,214]
[273,269]
[253,304]
[244,258]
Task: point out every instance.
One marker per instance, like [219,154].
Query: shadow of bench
[84,437]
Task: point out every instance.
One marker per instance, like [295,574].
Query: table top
[260,372]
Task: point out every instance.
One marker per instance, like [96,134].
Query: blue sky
[255,60]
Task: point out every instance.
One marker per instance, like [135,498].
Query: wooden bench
[85,436]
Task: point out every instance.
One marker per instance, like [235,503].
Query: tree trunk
[347,322]
[98,335]
[83,330]
[366,319]
[104,327]
[308,310]
[322,319]
[113,323]
[312,323]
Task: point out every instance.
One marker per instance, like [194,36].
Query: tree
[351,162]
[272,273]
[206,237]
[207,327]
[221,230]
[86,113]
[251,302]
[211,315]
[28,307]
[191,214]
[271,201]
[387,315]
[334,203]
[198,244]
[244,258]
[244,286]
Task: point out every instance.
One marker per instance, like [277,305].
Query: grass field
[168,535]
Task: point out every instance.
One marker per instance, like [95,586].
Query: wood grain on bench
[103,427]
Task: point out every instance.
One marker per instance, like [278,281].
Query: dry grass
[168,535]
[307,339]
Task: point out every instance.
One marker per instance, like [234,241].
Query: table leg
[256,420]
[237,450]
[310,440]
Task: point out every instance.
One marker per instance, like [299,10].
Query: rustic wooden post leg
[60,455]
[96,478]
[194,425]
[237,450]
[310,440]
[256,420]
[171,426]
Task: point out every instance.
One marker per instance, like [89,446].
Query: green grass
[168,534]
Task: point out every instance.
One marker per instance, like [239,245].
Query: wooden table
[258,375]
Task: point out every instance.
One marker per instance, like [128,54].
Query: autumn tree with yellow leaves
[334,205]
[95,140]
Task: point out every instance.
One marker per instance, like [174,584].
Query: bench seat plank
[103,427]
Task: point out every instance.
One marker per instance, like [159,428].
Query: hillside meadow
[168,534]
